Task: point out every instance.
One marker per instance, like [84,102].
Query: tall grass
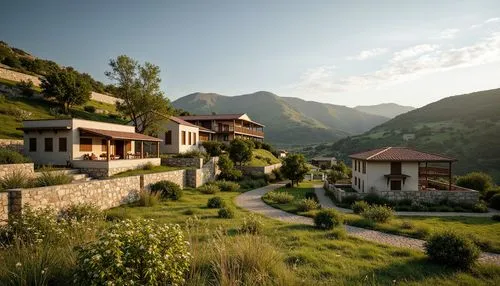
[148,199]
[52,179]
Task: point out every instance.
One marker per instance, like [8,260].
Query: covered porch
[431,175]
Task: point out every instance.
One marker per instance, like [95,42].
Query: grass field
[262,158]
[155,169]
[298,194]
[317,257]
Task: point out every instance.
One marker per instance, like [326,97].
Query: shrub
[288,185]
[422,232]
[11,157]
[251,225]
[480,207]
[227,186]
[167,189]
[278,177]
[328,219]
[311,195]
[26,88]
[138,252]
[149,198]
[378,213]
[476,180]
[82,213]
[359,207]
[89,108]
[375,199]
[495,217]
[209,189]
[305,205]
[490,193]
[48,178]
[226,212]
[349,200]
[279,197]
[15,179]
[148,166]
[215,203]
[227,170]
[213,148]
[338,233]
[495,202]
[452,249]
[257,144]
[407,224]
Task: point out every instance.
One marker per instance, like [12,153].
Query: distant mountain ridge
[289,121]
[389,110]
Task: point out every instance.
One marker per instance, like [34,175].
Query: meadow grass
[298,193]
[154,169]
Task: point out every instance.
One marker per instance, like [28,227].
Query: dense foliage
[377,213]
[240,151]
[227,170]
[225,212]
[11,157]
[476,180]
[66,87]
[328,219]
[215,203]
[359,207]
[167,189]
[209,189]
[294,168]
[279,197]
[214,148]
[452,249]
[305,205]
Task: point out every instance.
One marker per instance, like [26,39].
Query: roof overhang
[45,128]
[110,134]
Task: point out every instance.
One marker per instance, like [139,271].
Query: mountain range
[466,127]
[389,110]
[289,121]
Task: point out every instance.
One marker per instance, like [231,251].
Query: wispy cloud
[406,64]
[488,21]
[367,54]
[447,34]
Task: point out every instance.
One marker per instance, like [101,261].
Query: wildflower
[18,264]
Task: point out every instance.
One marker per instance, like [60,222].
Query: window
[32,145]
[194,138]
[48,146]
[128,146]
[183,137]
[364,167]
[355,181]
[396,168]
[363,184]
[168,137]
[63,144]
[86,144]
[355,165]
[189,138]
[396,185]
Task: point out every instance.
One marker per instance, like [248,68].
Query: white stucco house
[398,169]
[180,136]
[101,149]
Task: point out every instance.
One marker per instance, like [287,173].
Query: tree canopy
[294,168]
[240,151]
[67,87]
[139,88]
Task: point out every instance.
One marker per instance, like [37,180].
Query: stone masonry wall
[265,169]
[17,76]
[12,144]
[179,177]
[4,207]
[183,162]
[26,168]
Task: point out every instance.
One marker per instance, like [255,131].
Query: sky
[341,52]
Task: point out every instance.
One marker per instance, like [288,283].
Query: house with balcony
[227,127]
[180,136]
[99,149]
[401,169]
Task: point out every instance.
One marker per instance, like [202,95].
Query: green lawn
[313,256]
[298,194]
[263,158]
[155,169]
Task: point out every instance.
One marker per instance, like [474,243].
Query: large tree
[139,88]
[294,168]
[67,87]
[240,151]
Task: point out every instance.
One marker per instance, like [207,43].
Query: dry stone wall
[12,144]
[183,162]
[26,168]
[266,169]
[178,177]
[17,76]
[4,207]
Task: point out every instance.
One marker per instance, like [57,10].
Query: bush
[359,207]
[15,179]
[215,203]
[328,219]
[48,178]
[279,197]
[480,207]
[306,205]
[226,186]
[495,202]
[26,88]
[213,148]
[149,199]
[82,213]
[227,170]
[490,193]
[375,199]
[338,233]
[378,213]
[167,189]
[138,252]
[476,180]
[251,225]
[226,212]
[407,224]
[422,232]
[11,157]
[288,185]
[452,249]
[252,184]
[209,189]
[148,166]
[89,108]
[311,195]
[495,217]
[278,177]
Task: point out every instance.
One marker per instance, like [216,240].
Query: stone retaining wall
[183,162]
[27,168]
[468,197]
[104,98]
[4,207]
[266,169]
[179,177]
[12,144]
[17,76]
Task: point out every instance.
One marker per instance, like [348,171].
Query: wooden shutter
[86,144]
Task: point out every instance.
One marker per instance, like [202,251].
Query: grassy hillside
[466,127]
[263,158]
[389,110]
[289,121]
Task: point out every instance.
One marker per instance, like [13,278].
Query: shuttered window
[86,144]
[32,146]
[49,145]
[183,137]
[168,137]
[63,144]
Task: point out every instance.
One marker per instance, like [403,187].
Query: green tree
[240,151]
[294,168]
[139,88]
[476,180]
[227,170]
[67,87]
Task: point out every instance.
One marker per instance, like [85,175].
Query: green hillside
[389,110]
[289,121]
[261,158]
[466,127]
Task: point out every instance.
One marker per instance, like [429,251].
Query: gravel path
[252,201]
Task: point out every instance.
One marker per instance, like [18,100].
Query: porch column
[108,148]
[142,149]
[449,177]
[157,149]
[426,178]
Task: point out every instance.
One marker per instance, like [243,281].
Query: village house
[324,162]
[400,169]
[98,148]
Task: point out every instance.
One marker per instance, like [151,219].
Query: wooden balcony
[433,172]
[248,131]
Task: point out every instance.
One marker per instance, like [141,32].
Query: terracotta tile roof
[119,134]
[213,116]
[400,154]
